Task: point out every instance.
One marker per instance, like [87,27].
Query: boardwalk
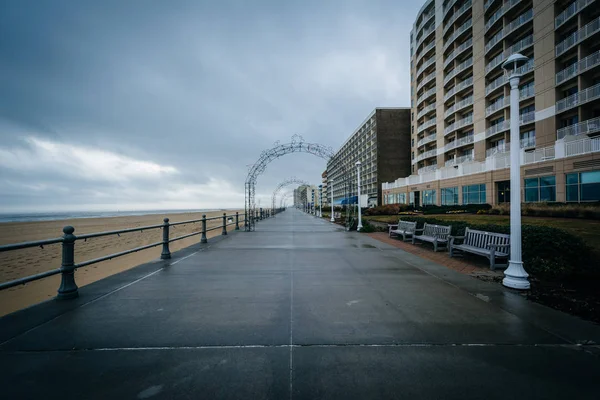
[298,309]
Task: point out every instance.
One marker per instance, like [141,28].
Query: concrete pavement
[298,309]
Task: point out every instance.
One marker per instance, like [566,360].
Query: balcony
[495,129]
[577,99]
[569,12]
[458,124]
[515,48]
[426,125]
[425,19]
[459,106]
[457,88]
[426,80]
[500,149]
[425,95]
[467,44]
[426,34]
[427,139]
[539,155]
[526,92]
[460,68]
[425,50]
[427,154]
[583,128]
[426,110]
[583,146]
[449,5]
[587,63]
[461,29]
[429,168]
[496,105]
[513,25]
[527,118]
[577,37]
[459,142]
[487,4]
[466,6]
[498,14]
[426,64]
[459,160]
[528,142]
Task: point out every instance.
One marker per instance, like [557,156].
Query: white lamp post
[515,276]
[320,201]
[359,226]
[331,184]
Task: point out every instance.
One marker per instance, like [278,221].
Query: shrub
[547,252]
[557,210]
[388,209]
[465,208]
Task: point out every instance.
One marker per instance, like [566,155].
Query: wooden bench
[436,234]
[488,244]
[404,228]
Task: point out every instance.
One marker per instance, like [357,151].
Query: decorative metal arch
[287,182]
[283,200]
[297,145]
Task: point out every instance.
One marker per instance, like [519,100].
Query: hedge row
[547,252]
[394,209]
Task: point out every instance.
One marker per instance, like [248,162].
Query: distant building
[382,144]
[324,190]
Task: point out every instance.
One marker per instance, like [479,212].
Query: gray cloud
[199,87]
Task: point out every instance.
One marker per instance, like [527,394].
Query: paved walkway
[298,309]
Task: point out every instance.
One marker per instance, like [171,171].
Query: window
[473,194]
[450,196]
[528,138]
[428,197]
[584,186]
[570,121]
[527,109]
[540,189]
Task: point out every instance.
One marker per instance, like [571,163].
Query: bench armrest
[451,239]
[419,230]
[392,225]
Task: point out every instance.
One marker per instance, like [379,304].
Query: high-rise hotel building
[460,102]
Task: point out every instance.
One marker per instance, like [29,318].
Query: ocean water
[53,216]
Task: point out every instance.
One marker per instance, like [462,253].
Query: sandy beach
[20,263]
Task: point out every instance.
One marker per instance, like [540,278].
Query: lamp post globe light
[515,276]
[331,184]
[359,226]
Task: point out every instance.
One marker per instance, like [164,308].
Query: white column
[515,275]
[331,184]
[359,226]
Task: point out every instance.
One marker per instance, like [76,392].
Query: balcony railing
[487,4]
[449,5]
[458,124]
[467,25]
[526,92]
[459,160]
[460,86]
[426,169]
[496,105]
[495,129]
[459,142]
[514,24]
[583,128]
[467,44]
[499,149]
[425,19]
[583,146]
[427,154]
[539,155]
[466,5]
[515,48]
[426,34]
[578,36]
[426,110]
[498,14]
[458,106]
[571,11]
[426,64]
[587,63]
[426,80]
[426,125]
[460,68]
[425,95]
[501,80]
[427,139]
[527,118]
[586,95]
[425,50]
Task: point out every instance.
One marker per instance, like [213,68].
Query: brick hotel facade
[460,102]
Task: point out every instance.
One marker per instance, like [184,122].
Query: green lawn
[588,230]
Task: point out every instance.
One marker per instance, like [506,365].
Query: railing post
[203,237]
[68,288]
[166,253]
[224,232]
[237,221]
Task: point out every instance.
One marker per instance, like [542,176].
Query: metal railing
[498,104]
[454,53]
[577,68]
[427,169]
[459,142]
[427,154]
[515,48]
[459,160]
[427,139]
[425,50]
[426,80]
[582,128]
[528,142]
[578,36]
[425,34]
[426,110]
[527,118]
[526,92]
[498,14]
[425,19]
[425,65]
[539,155]
[68,288]
[487,4]
[426,125]
[459,106]
[458,87]
[497,128]
[466,5]
[459,68]
[458,124]
[461,29]
[514,24]
[583,146]
[576,99]
[571,10]
[425,95]
[501,80]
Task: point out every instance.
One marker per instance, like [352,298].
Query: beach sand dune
[21,263]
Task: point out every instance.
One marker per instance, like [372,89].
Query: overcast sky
[119,105]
